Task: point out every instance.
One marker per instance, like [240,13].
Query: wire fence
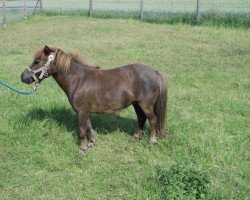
[12,10]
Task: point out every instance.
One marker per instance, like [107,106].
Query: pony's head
[49,60]
[41,67]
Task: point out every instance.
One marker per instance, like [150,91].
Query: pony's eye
[36,61]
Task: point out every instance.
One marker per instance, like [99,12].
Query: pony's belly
[110,108]
[106,112]
[111,112]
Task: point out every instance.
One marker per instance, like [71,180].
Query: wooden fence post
[90,8]
[198,10]
[25,9]
[41,5]
[4,14]
[141,10]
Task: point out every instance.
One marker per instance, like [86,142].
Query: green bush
[183,182]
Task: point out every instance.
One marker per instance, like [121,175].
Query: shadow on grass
[102,124]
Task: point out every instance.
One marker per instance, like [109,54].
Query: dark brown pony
[90,89]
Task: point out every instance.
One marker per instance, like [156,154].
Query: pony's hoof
[91,144]
[83,150]
[153,140]
[92,139]
[165,134]
[83,153]
[135,138]
[137,135]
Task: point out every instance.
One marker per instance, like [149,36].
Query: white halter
[43,69]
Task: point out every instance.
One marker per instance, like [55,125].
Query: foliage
[183,181]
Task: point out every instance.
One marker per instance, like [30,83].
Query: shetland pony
[92,90]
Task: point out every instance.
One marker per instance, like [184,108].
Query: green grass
[208,73]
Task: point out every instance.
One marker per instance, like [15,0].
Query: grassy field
[208,155]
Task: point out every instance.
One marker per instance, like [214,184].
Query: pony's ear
[46,50]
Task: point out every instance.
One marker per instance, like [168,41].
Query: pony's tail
[160,106]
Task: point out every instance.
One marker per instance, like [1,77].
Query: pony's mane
[62,59]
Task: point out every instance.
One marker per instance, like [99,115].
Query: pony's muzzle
[26,77]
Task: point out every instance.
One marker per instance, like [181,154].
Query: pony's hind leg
[150,114]
[141,121]
[92,137]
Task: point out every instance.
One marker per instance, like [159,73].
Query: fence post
[4,14]
[198,10]
[41,5]
[25,9]
[90,8]
[141,10]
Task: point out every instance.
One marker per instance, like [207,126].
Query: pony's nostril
[23,80]
[26,79]
[23,77]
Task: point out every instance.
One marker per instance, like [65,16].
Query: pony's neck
[68,81]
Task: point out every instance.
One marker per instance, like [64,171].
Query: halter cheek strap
[43,69]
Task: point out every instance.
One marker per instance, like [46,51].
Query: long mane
[63,60]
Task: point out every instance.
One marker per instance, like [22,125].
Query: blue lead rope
[17,91]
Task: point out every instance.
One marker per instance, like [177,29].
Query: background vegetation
[228,13]
[208,155]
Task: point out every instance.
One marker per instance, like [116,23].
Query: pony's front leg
[92,137]
[83,124]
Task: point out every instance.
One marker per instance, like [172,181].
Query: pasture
[208,76]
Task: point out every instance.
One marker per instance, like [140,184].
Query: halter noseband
[43,69]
